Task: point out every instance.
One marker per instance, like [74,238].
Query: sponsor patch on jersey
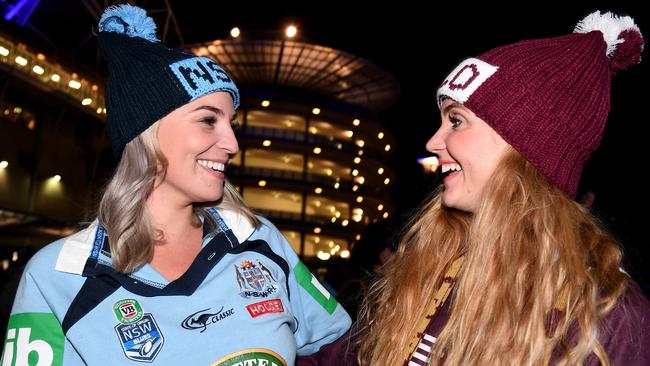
[251,357]
[308,282]
[33,338]
[265,307]
[202,318]
[140,340]
[255,279]
[127,311]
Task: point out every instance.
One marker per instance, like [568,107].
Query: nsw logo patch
[200,75]
[138,332]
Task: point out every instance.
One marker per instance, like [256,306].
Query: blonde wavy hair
[122,209]
[536,264]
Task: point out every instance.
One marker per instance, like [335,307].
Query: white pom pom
[610,25]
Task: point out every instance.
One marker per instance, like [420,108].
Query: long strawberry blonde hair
[536,264]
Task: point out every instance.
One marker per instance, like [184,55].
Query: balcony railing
[38,69]
[323,142]
[291,176]
[315,220]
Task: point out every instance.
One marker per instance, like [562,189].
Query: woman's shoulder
[45,258]
[242,227]
[635,294]
[264,230]
[633,307]
[67,254]
[625,331]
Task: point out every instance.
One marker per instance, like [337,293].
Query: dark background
[419,42]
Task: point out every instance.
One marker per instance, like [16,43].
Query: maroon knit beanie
[549,98]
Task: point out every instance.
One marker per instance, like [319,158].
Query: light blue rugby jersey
[246,300]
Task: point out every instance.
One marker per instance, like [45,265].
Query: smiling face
[198,141]
[468,150]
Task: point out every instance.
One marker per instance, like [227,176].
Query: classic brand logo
[463,81]
[257,357]
[202,318]
[255,279]
[265,307]
[33,339]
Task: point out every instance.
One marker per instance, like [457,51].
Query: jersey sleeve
[33,327]
[320,318]
[34,330]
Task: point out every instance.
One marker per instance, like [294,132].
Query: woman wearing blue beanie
[176,269]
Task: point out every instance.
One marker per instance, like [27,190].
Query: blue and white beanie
[146,79]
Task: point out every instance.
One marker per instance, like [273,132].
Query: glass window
[275,120]
[323,128]
[328,168]
[322,206]
[259,158]
[324,246]
[273,199]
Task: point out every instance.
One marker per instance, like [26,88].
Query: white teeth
[447,167]
[220,167]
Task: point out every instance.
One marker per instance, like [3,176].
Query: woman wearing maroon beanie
[516,271]
[501,266]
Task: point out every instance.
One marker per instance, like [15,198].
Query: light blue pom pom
[128,20]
